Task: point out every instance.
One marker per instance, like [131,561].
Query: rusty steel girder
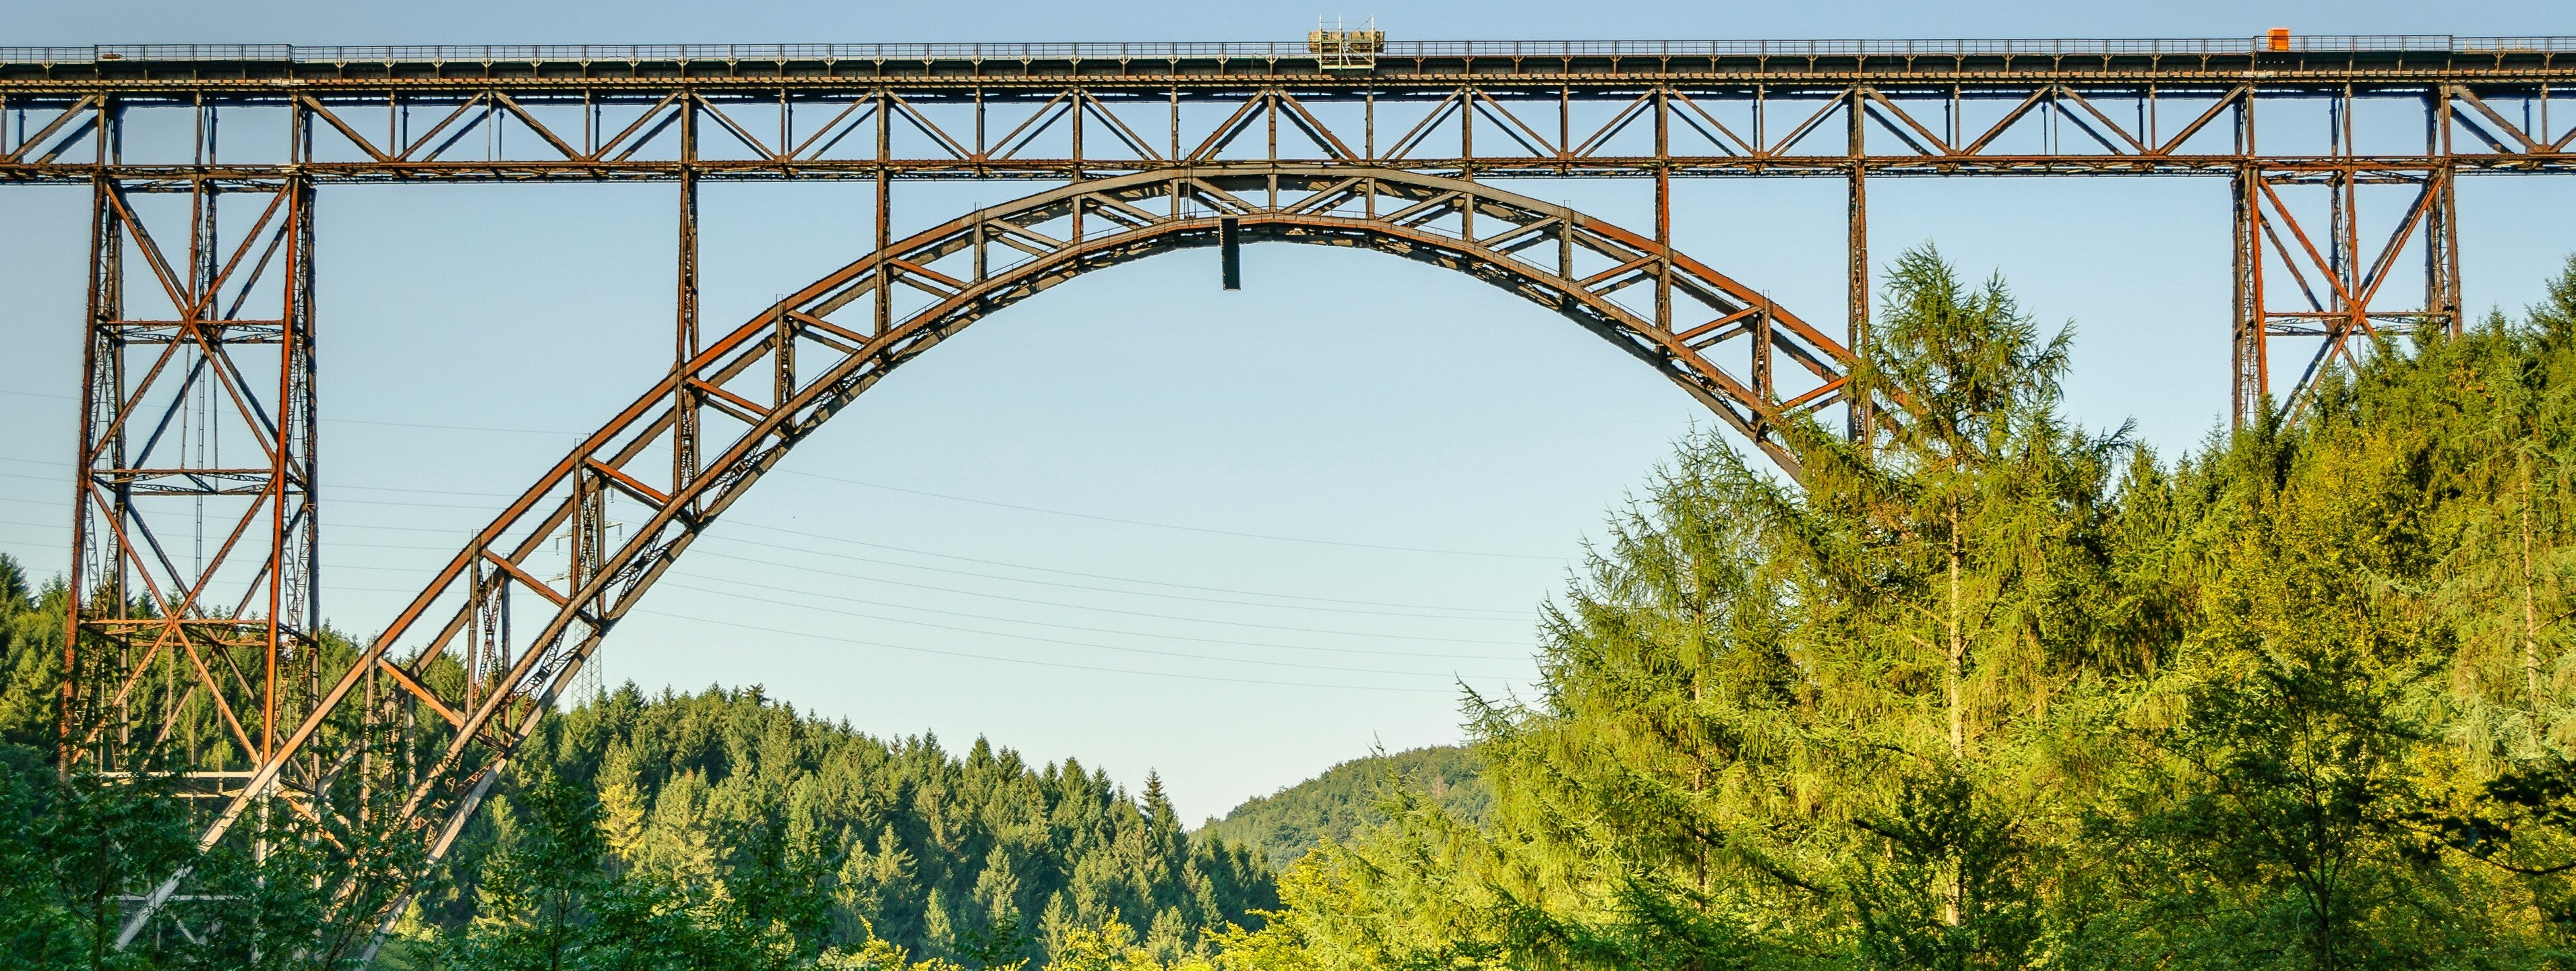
[1542,108]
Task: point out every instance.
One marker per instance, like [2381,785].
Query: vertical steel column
[1073,106]
[885,198]
[782,385]
[2343,265]
[2343,247]
[296,533]
[97,571]
[684,404]
[2442,300]
[2441,228]
[250,608]
[295,537]
[1663,213]
[1762,383]
[1861,421]
[2248,371]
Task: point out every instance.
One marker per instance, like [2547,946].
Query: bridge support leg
[194,602]
[97,576]
[2305,274]
[1860,422]
[1663,213]
[885,208]
[2441,228]
[2442,253]
[2340,277]
[2248,367]
[684,414]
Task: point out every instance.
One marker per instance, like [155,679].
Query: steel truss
[191,647]
[1484,111]
[1154,149]
[197,411]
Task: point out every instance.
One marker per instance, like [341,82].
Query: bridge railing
[1261,50]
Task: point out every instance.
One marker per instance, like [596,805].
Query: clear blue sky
[1414,409]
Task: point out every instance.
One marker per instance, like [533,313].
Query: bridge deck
[1476,108]
[1969,61]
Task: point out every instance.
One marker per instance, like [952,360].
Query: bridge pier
[684,346]
[2307,281]
[197,410]
[1860,422]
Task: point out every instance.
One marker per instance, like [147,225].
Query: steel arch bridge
[697,440]
[1402,148]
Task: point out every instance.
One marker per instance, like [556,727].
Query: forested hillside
[714,830]
[31,645]
[1344,798]
[976,856]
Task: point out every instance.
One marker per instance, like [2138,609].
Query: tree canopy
[1988,690]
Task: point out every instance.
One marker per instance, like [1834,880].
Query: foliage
[74,847]
[31,656]
[724,803]
[1987,691]
[718,831]
[1344,798]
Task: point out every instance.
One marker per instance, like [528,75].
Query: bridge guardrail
[1264,50]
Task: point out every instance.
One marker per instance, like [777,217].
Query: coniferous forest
[1991,690]
[1346,798]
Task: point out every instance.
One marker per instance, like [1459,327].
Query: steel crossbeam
[202,644]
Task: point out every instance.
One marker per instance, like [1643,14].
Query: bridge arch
[684,451]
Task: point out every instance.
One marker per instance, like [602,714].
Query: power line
[451,531]
[1105,610]
[1135,633]
[737,625]
[1101,576]
[1510,615]
[977,593]
[1173,526]
[348,421]
[1001,563]
[975,616]
[997,504]
[1058,640]
[1077,586]
[969,559]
